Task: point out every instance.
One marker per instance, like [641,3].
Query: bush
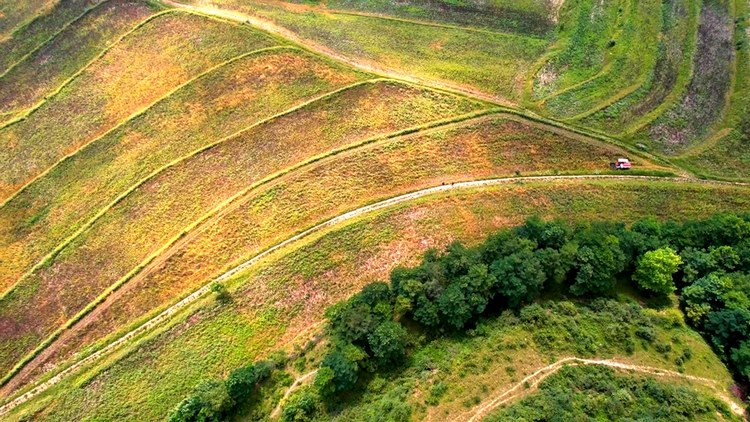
[302,406]
[646,333]
[663,347]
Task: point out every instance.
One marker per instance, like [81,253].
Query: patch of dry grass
[155,59]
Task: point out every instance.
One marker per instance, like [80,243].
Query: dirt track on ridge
[320,49]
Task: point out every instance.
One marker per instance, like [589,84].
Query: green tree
[654,270]
[324,381]
[598,260]
[344,364]
[388,342]
[240,383]
[304,405]
[520,277]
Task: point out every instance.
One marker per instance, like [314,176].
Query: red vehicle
[621,164]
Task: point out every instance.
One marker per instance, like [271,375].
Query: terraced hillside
[187,186]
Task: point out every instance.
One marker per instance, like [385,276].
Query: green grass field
[494,63]
[274,301]
[667,79]
[148,147]
[526,17]
[629,56]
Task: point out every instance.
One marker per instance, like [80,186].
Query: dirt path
[290,390]
[365,65]
[329,223]
[540,375]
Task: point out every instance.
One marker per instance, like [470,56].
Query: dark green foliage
[344,363]
[388,342]
[213,400]
[584,393]
[303,405]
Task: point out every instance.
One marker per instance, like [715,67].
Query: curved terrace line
[47,258]
[139,113]
[50,39]
[684,74]
[328,223]
[154,261]
[320,49]
[37,106]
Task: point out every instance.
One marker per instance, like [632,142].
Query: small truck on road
[620,164]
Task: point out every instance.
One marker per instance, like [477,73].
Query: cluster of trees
[599,393]
[214,400]
[708,260]
[512,267]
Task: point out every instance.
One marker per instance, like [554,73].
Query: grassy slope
[627,62]
[693,117]
[493,63]
[484,147]
[14,13]
[527,17]
[666,80]
[727,153]
[592,392]
[205,111]
[40,29]
[158,210]
[472,370]
[581,46]
[162,54]
[273,302]
[71,50]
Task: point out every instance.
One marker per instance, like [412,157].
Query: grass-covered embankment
[216,105]
[272,302]
[154,59]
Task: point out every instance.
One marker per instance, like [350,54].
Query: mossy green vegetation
[665,81]
[593,392]
[494,63]
[527,17]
